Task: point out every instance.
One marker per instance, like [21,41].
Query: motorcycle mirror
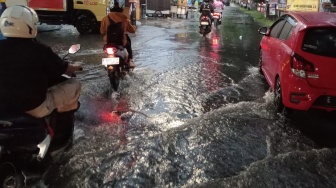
[74,48]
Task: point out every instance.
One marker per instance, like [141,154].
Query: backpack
[206,6]
[115,33]
[206,9]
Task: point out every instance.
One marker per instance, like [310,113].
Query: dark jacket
[27,69]
[206,9]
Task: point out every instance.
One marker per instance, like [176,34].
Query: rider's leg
[130,52]
[63,97]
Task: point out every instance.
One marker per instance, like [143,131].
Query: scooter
[205,25]
[27,144]
[115,64]
[217,16]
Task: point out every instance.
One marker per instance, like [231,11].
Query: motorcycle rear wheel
[10,178]
[114,77]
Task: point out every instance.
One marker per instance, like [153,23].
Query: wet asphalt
[195,112]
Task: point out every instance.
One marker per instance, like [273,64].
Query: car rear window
[320,41]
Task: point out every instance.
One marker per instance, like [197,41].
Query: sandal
[131,63]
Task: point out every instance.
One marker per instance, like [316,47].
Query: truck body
[157,8]
[85,15]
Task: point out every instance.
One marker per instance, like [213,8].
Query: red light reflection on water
[211,48]
[215,41]
[111,117]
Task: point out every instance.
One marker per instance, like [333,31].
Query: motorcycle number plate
[216,17]
[204,23]
[110,61]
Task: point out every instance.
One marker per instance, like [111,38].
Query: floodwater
[194,113]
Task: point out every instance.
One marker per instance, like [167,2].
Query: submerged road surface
[194,113]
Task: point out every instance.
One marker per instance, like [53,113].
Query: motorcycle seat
[21,119]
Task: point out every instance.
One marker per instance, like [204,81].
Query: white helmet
[117,4]
[19,21]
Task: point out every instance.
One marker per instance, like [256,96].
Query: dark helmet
[117,5]
[206,1]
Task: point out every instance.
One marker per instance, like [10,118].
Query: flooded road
[194,113]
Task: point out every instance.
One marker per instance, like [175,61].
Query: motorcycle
[205,25]
[28,144]
[115,64]
[217,16]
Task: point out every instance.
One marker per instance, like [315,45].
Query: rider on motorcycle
[218,4]
[29,69]
[206,9]
[116,14]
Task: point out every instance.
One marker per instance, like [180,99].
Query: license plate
[204,23]
[216,17]
[110,61]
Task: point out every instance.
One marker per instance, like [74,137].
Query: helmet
[117,5]
[19,21]
[207,1]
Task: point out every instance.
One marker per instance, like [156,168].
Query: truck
[157,8]
[85,15]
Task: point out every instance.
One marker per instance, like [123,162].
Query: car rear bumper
[301,96]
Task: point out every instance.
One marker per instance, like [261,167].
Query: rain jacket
[117,17]
[218,5]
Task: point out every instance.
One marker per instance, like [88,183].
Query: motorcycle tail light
[110,50]
[215,41]
[300,66]
[216,14]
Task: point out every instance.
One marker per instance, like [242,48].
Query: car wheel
[260,62]
[278,96]
[86,24]
[158,14]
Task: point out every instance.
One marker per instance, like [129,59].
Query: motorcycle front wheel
[203,30]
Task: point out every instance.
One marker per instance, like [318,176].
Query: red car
[298,60]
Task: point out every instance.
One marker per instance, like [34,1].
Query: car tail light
[300,66]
